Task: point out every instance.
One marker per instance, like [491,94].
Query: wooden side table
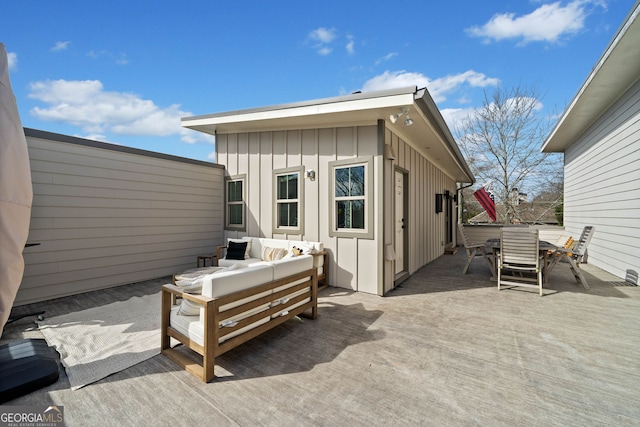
[204,259]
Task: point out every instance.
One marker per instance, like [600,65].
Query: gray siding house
[373,176]
[599,134]
[105,215]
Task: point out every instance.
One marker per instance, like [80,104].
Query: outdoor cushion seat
[235,306]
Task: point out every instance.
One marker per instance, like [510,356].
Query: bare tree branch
[501,140]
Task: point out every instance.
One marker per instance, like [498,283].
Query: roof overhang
[616,71]
[429,133]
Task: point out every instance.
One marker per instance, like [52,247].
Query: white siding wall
[602,186]
[355,263]
[106,215]
[258,154]
[426,229]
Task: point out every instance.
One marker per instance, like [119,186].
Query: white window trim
[236,227]
[289,171]
[367,232]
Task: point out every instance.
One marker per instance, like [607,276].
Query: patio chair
[472,250]
[520,257]
[578,254]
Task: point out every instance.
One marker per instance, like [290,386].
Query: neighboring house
[105,215]
[370,175]
[599,134]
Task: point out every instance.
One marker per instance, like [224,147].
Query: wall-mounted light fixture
[404,111]
[311,174]
[439,198]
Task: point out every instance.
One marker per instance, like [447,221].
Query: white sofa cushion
[227,282]
[191,281]
[193,327]
[257,243]
[288,266]
[240,262]
[190,326]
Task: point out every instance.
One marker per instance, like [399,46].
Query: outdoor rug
[100,341]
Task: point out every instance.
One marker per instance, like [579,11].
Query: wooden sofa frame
[213,317]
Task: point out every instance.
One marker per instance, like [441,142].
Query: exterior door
[400,222]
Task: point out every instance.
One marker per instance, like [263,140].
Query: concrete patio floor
[442,349]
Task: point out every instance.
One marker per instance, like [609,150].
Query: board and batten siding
[256,155]
[602,186]
[106,215]
[426,228]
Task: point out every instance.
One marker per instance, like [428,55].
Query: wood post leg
[164,319]
[210,341]
[576,272]
[471,254]
[492,261]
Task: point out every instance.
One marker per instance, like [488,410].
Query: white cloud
[385,58]
[322,38]
[455,116]
[120,59]
[438,88]
[60,46]
[12,59]
[442,86]
[87,105]
[94,137]
[395,79]
[350,45]
[548,23]
[323,35]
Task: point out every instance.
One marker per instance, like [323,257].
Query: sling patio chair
[577,254]
[473,250]
[519,262]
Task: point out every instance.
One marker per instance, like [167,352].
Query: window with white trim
[235,205]
[289,200]
[351,205]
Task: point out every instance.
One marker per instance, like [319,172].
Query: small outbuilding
[373,176]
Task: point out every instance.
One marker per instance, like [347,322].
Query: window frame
[242,203]
[299,229]
[368,231]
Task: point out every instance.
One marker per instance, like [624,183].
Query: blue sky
[126,71]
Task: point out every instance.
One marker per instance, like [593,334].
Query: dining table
[548,254]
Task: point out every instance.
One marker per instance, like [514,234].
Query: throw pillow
[273,254]
[295,251]
[236,250]
[307,248]
[246,240]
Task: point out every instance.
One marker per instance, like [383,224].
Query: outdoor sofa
[241,300]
